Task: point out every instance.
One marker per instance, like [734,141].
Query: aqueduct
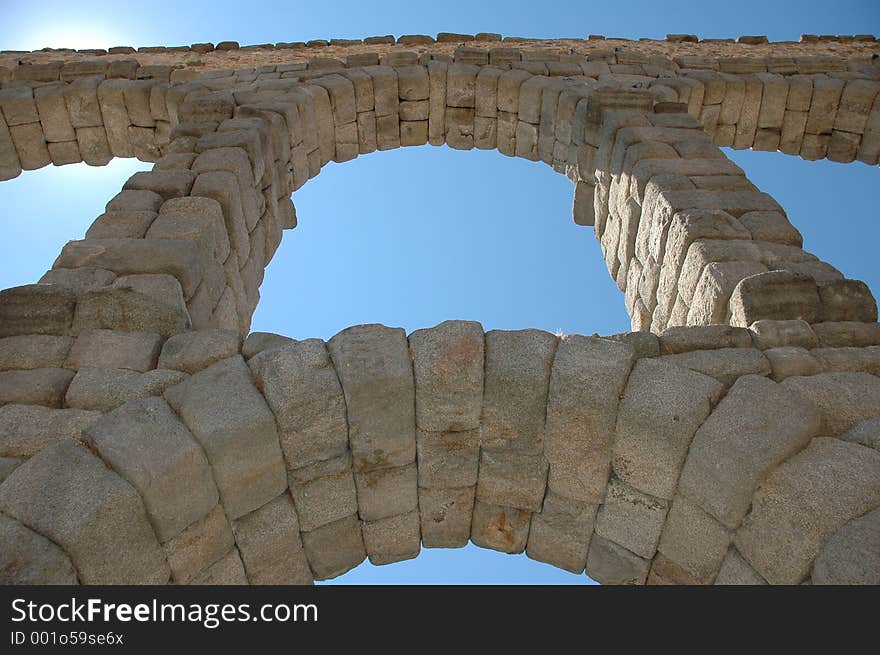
[732,437]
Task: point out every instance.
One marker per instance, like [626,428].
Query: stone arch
[184,453]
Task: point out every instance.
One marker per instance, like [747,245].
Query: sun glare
[79,36]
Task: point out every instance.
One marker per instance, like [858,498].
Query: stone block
[121,225]
[611,564]
[41,386]
[27,352]
[831,482]
[227,571]
[586,383]
[789,361]
[230,419]
[841,398]
[736,571]
[386,492]
[200,545]
[27,558]
[136,351]
[661,409]
[104,389]
[323,492]
[303,391]
[81,98]
[505,529]
[145,443]
[774,334]
[448,370]
[374,368]
[334,548]
[724,364]
[683,339]
[26,429]
[560,533]
[191,352]
[694,542]
[757,425]
[392,539]
[517,377]
[512,479]
[631,518]
[851,556]
[866,433]
[269,542]
[71,497]
[847,300]
[257,342]
[36,309]
[54,116]
[445,516]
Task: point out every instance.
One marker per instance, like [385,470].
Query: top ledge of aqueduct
[146,436]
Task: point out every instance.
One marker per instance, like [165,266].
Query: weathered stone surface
[736,571]
[40,386]
[866,433]
[631,518]
[323,492]
[757,425]
[609,563]
[724,364]
[227,571]
[512,478]
[136,351]
[659,413]
[831,482]
[852,554]
[200,545]
[694,542]
[448,369]
[104,389]
[587,380]
[121,225]
[847,300]
[518,364]
[230,419]
[33,351]
[147,445]
[386,492]
[36,309]
[790,361]
[303,391]
[257,342]
[774,295]
[834,334]
[446,516]
[270,545]
[191,352]
[374,367]
[71,497]
[79,280]
[392,539]
[29,558]
[334,548]
[560,533]
[8,465]
[775,334]
[500,528]
[27,429]
[842,399]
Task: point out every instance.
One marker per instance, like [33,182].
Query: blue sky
[416,236]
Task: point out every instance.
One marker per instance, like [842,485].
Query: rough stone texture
[104,389]
[448,370]
[200,545]
[230,419]
[36,309]
[136,351]
[560,533]
[513,479]
[257,342]
[852,554]
[41,386]
[227,571]
[334,548]
[374,367]
[147,445]
[446,516]
[631,518]
[26,429]
[29,558]
[33,351]
[609,563]
[392,539]
[843,399]
[866,433]
[269,542]
[803,503]
[190,352]
[303,391]
[754,428]
[693,542]
[660,411]
[324,492]
[500,528]
[587,380]
[736,571]
[71,497]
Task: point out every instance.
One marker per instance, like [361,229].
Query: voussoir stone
[757,425]
[270,544]
[448,370]
[843,398]
[445,516]
[334,548]
[190,352]
[661,409]
[611,563]
[231,420]
[145,442]
[200,545]
[560,533]
[301,386]
[831,482]
[374,368]
[631,518]
[71,497]
[505,529]
[518,365]
[136,351]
